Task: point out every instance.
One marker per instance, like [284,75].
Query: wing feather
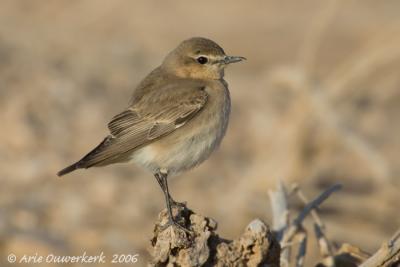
[156,115]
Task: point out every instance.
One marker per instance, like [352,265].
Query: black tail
[68,169]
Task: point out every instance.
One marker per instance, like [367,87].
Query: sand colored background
[317,102]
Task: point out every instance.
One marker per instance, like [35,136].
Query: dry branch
[302,237]
[258,245]
[325,247]
[286,232]
[297,223]
[387,255]
[280,215]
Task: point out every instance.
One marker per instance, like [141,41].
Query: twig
[296,224]
[305,200]
[387,255]
[316,202]
[280,214]
[280,211]
[325,247]
[302,236]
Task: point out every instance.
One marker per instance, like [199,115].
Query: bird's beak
[232,59]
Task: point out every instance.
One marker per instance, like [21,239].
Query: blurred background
[317,103]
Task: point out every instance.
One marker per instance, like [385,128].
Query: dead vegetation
[203,247]
[284,245]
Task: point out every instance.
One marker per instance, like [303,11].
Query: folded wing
[157,114]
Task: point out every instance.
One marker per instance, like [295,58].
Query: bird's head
[198,58]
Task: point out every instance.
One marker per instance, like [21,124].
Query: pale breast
[193,143]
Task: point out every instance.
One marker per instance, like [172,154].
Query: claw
[173,223]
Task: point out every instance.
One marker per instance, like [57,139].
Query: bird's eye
[202,60]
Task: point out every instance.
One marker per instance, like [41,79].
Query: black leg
[162,181]
[159,180]
[164,187]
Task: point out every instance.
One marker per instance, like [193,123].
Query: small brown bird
[177,116]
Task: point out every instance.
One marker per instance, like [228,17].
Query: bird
[177,116]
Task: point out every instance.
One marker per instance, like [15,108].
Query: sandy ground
[317,103]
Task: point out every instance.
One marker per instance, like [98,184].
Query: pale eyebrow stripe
[213,59]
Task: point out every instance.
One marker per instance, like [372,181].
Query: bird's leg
[176,203]
[162,180]
[172,201]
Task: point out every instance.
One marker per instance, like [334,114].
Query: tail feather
[89,160]
[68,169]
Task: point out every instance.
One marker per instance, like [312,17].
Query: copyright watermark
[11,258]
[84,258]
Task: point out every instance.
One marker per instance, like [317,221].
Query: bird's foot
[173,223]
